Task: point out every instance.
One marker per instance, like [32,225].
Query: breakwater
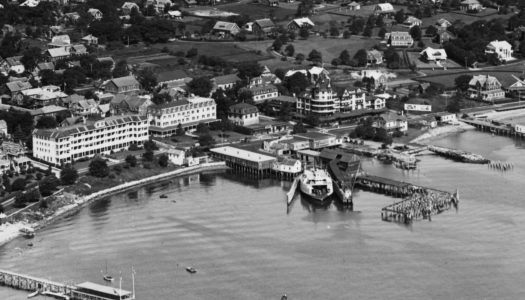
[459,155]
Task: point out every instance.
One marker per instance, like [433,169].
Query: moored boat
[28,232]
[316,183]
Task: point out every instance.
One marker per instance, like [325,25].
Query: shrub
[18,185]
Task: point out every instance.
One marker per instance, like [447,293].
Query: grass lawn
[228,51]
[414,57]
[329,48]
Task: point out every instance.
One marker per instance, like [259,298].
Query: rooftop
[243,154]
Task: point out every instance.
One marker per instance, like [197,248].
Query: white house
[95,13]
[486,88]
[127,7]
[391,121]
[399,39]
[12,64]
[443,23]
[502,49]
[287,165]
[176,156]
[243,114]
[175,14]
[412,21]
[354,6]
[470,5]
[299,23]
[435,55]
[383,8]
[30,3]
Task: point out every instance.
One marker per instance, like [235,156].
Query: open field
[487,15]
[225,50]
[329,48]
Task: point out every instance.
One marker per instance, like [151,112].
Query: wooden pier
[31,283]
[495,127]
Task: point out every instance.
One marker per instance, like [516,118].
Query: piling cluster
[500,166]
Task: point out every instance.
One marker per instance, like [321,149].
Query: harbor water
[244,244]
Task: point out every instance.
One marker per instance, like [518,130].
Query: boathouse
[244,160]
[94,291]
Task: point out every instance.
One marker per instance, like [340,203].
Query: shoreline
[440,132]
[10,231]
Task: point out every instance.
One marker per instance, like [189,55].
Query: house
[271,3]
[446,117]
[374,57]
[299,23]
[226,28]
[261,90]
[485,88]
[78,49]
[443,35]
[44,66]
[391,121]
[56,54]
[159,5]
[30,3]
[243,114]
[225,82]
[470,5]
[377,77]
[122,85]
[127,7]
[130,104]
[175,14]
[412,21]
[12,64]
[347,100]
[384,8]
[444,23]
[354,6]
[90,40]
[17,86]
[95,13]
[84,107]
[42,96]
[174,78]
[176,156]
[435,55]
[8,29]
[287,166]
[502,49]
[263,27]
[399,39]
[59,41]
[72,17]
[268,77]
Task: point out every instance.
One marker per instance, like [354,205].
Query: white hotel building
[62,145]
[165,118]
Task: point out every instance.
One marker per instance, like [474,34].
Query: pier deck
[31,283]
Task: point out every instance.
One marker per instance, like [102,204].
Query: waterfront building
[189,112]
[485,88]
[176,156]
[94,291]
[286,165]
[243,114]
[318,140]
[65,144]
[502,49]
[243,158]
[446,117]
[391,121]
[286,145]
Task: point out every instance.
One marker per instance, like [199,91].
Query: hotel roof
[243,154]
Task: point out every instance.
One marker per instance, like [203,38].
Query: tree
[18,185]
[299,128]
[161,98]
[382,32]
[163,160]
[304,32]
[297,83]
[299,58]
[180,131]
[277,45]
[68,175]
[289,50]
[206,140]
[98,167]
[121,69]
[334,31]
[245,95]
[48,185]
[454,106]
[347,34]
[367,31]
[415,32]
[305,8]
[249,70]
[431,31]
[46,122]
[148,155]
[344,56]
[315,56]
[400,16]
[200,86]
[150,145]
[147,79]
[31,57]
[312,120]
[462,82]
[131,160]
[361,57]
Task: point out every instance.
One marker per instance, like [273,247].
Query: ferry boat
[316,183]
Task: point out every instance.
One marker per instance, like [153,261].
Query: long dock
[31,283]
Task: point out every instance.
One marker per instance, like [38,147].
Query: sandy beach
[10,231]
[441,131]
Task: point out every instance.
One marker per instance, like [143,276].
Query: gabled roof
[171,75]
[17,86]
[226,26]
[411,20]
[432,53]
[46,66]
[264,23]
[13,60]
[89,37]
[226,79]
[303,21]
[61,39]
[385,7]
[129,5]
[58,52]
[484,80]
[124,81]
[499,44]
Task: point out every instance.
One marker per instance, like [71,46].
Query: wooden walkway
[31,283]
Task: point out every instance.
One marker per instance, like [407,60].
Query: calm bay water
[237,234]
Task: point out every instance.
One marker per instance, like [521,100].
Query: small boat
[28,232]
[33,294]
[30,244]
[106,276]
[163,196]
[191,270]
